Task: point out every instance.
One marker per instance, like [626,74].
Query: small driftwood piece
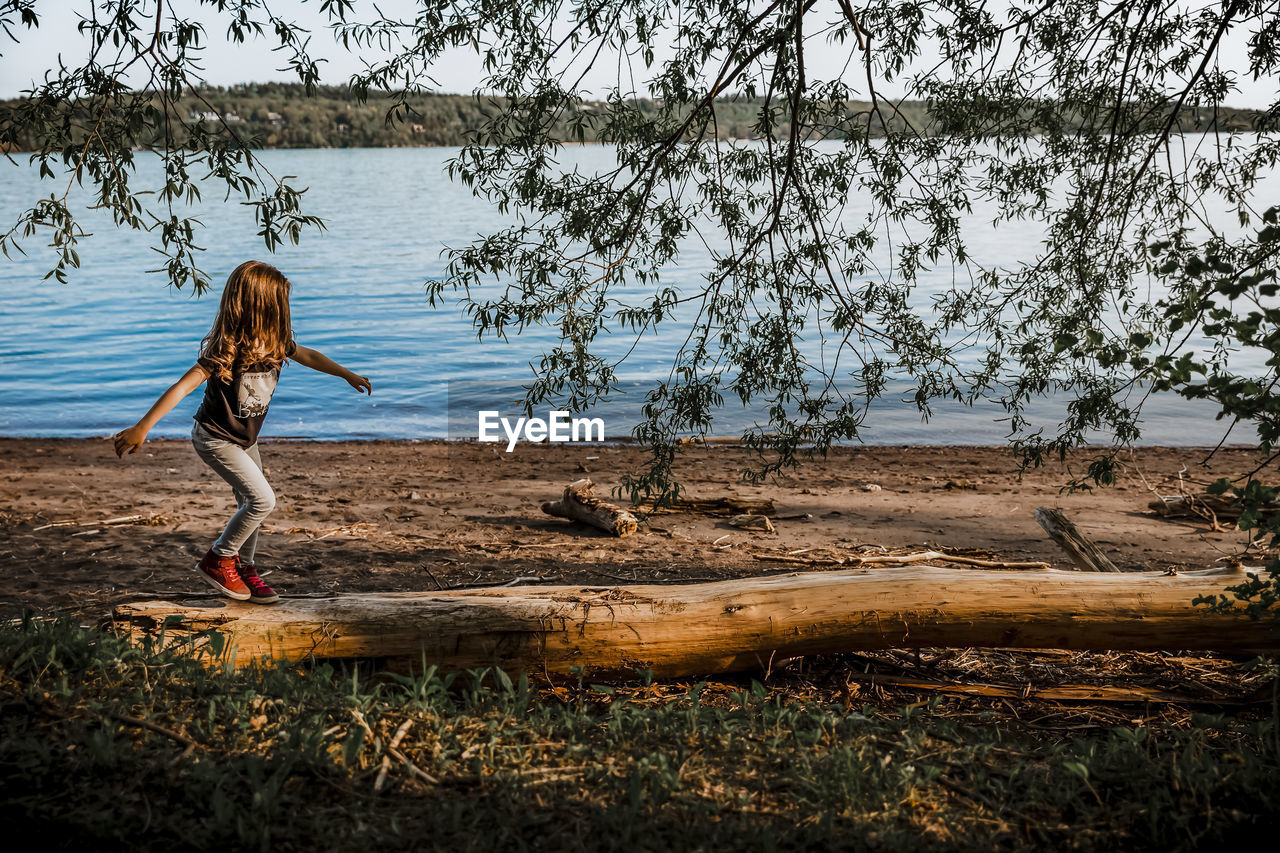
[714,506]
[359,530]
[750,521]
[579,503]
[109,522]
[1082,550]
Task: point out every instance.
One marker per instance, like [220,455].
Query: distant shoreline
[282,116]
[428,147]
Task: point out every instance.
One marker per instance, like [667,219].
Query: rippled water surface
[87,358]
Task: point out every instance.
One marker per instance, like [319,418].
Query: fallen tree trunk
[734,625]
[579,503]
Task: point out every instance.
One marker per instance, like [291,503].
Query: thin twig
[359,717]
[392,750]
[382,774]
[902,559]
[433,577]
[155,727]
[413,768]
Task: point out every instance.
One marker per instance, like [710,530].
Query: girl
[241,359]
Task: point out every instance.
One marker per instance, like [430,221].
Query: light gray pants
[242,468]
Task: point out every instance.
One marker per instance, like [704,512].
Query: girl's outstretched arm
[308,357]
[131,439]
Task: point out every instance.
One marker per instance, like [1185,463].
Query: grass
[107,744]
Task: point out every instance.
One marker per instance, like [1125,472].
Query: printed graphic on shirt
[253,394]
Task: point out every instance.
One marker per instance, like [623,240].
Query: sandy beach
[403,515]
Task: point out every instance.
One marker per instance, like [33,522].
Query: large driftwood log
[696,629]
[579,503]
[1083,551]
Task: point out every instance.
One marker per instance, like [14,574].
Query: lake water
[88,358]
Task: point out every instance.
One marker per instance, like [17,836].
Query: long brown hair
[253,325]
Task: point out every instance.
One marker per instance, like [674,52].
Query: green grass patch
[106,744]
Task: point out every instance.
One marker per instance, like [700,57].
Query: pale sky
[460,71]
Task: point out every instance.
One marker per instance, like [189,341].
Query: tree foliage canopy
[1098,121]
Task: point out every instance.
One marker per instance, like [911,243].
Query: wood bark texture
[1082,550]
[733,625]
[579,503]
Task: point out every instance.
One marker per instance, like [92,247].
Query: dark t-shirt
[234,411]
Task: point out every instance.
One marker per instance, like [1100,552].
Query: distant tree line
[283,115]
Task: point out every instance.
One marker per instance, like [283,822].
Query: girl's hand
[129,439]
[360,383]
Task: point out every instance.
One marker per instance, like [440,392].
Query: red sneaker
[221,574]
[259,592]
